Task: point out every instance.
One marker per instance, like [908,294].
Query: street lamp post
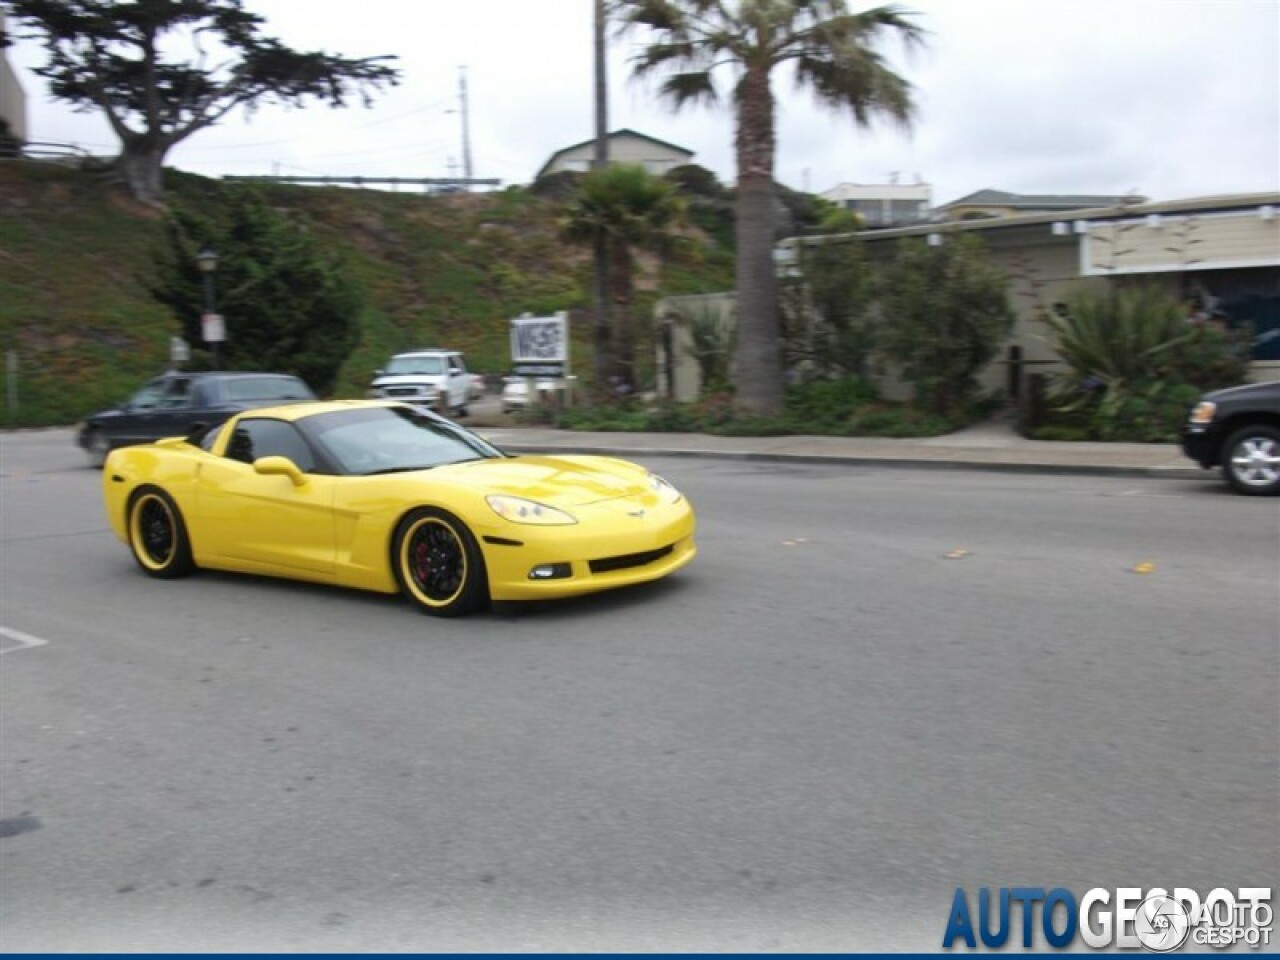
[211,324]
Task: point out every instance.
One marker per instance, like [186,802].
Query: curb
[915,463]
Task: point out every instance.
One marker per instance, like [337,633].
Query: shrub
[946,311]
[828,402]
[1136,364]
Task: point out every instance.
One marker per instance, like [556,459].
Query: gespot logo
[1129,918]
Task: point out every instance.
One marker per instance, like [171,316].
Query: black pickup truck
[1238,429]
[172,404]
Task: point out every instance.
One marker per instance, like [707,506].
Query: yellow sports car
[387,497]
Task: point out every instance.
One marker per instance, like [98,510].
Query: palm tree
[628,209]
[833,53]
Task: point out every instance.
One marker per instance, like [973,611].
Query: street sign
[541,343]
[212,328]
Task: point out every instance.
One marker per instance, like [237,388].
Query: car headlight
[1203,412]
[373,393]
[520,510]
[664,489]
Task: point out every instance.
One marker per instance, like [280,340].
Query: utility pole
[466,123]
[604,332]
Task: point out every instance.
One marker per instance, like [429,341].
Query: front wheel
[158,536]
[438,564]
[1251,460]
[97,446]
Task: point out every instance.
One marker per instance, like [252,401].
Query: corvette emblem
[636,513]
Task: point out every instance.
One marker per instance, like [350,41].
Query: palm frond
[682,88]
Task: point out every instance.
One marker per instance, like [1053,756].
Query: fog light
[550,571]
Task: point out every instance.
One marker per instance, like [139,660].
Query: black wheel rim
[155,529]
[435,561]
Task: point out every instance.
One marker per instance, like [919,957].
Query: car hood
[555,481]
[1250,391]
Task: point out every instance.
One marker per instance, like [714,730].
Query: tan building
[13,100]
[625,146]
[1222,250]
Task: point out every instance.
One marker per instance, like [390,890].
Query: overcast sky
[1171,98]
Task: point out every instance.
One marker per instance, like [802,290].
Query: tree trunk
[622,271]
[758,364]
[141,166]
[604,326]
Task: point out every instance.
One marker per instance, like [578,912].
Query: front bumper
[1201,442]
[602,552]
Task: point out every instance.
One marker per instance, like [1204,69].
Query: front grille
[405,391]
[608,564]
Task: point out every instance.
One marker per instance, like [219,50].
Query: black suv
[173,404]
[1238,429]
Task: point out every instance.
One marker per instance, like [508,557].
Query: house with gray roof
[625,146]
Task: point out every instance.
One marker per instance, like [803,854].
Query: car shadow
[609,603]
[605,603]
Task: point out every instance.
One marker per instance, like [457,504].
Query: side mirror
[279,467]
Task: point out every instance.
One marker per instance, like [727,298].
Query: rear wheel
[1251,460]
[438,564]
[158,536]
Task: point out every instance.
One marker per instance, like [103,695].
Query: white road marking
[23,640]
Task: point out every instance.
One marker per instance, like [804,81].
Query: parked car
[515,391]
[1238,429]
[390,497]
[436,379]
[173,404]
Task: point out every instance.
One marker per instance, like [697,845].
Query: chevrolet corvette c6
[391,498]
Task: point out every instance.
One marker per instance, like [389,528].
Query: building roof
[1194,205]
[614,134]
[1041,201]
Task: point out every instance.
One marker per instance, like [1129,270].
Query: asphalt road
[873,686]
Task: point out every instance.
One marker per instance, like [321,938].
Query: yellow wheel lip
[407,577]
[135,533]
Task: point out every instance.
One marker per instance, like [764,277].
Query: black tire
[97,446]
[158,535]
[1251,460]
[438,564]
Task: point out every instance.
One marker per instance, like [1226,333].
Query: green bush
[1136,364]
[829,403]
[847,407]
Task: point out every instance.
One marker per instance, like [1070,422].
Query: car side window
[255,438]
[149,397]
[177,395]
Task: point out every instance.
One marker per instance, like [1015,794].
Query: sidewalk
[987,446]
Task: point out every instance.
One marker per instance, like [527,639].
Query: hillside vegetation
[77,258]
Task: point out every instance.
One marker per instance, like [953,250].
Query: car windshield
[399,366]
[372,440]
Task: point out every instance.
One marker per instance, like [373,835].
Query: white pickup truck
[432,378]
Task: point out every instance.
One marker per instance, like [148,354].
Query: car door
[459,382]
[173,415]
[136,421]
[266,522]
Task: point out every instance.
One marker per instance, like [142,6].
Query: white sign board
[212,328]
[540,345]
